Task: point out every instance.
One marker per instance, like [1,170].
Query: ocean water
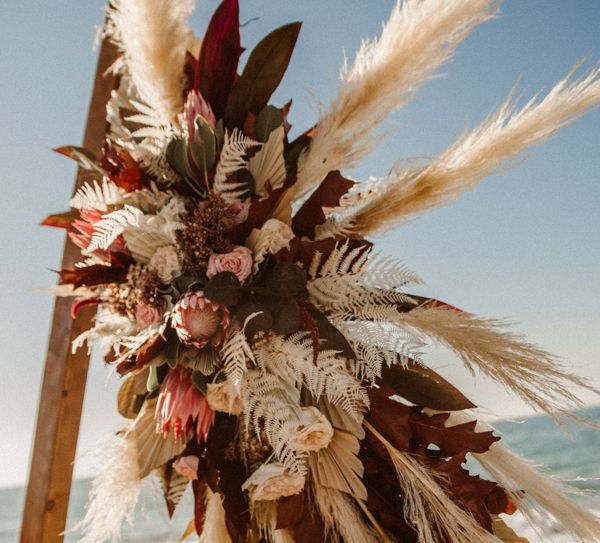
[571,454]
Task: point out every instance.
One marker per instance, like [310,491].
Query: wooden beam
[65,374]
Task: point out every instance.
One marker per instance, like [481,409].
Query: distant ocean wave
[571,454]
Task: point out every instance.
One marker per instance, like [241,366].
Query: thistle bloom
[198,321]
[181,407]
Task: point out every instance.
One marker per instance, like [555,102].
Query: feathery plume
[419,37]
[486,150]
[426,506]
[153,36]
[115,492]
[534,375]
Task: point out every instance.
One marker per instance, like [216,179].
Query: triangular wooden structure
[65,373]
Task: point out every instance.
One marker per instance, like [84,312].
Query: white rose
[271,238]
[273,481]
[313,431]
[224,397]
[165,262]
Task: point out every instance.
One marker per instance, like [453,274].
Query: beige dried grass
[419,37]
[486,150]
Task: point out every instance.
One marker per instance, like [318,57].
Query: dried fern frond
[233,158]
[153,36]
[426,506]
[534,375]
[236,352]
[419,37]
[486,150]
[97,195]
[112,225]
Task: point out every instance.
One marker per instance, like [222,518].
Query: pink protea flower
[181,406]
[84,230]
[198,321]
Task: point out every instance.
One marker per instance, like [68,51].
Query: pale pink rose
[165,262]
[146,315]
[198,321]
[273,481]
[313,431]
[224,397]
[187,466]
[238,262]
[238,213]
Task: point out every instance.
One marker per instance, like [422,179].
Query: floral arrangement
[270,360]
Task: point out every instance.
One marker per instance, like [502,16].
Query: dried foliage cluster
[269,360]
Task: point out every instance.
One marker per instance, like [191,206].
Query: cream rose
[273,481]
[313,431]
[238,262]
[187,466]
[165,262]
[224,397]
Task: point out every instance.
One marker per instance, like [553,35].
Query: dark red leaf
[310,325]
[423,386]
[295,513]
[122,168]
[150,350]
[82,303]
[199,487]
[61,220]
[328,194]
[219,56]
[98,274]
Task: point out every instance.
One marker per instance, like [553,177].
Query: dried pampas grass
[534,375]
[115,492]
[420,36]
[342,519]
[153,36]
[484,151]
[426,506]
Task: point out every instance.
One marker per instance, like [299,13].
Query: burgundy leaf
[328,194]
[61,220]
[219,56]
[82,303]
[98,274]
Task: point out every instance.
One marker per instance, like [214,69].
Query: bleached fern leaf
[233,158]
[112,226]
[236,352]
[97,196]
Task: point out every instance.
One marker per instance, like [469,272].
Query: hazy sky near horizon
[524,245]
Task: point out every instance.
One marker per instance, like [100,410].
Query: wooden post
[65,374]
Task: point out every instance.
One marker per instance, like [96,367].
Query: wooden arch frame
[65,373]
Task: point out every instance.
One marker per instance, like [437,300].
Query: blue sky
[524,245]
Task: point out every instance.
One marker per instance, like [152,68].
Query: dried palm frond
[215,526]
[486,150]
[427,508]
[268,165]
[419,37]
[153,36]
[534,375]
[114,494]
[233,158]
